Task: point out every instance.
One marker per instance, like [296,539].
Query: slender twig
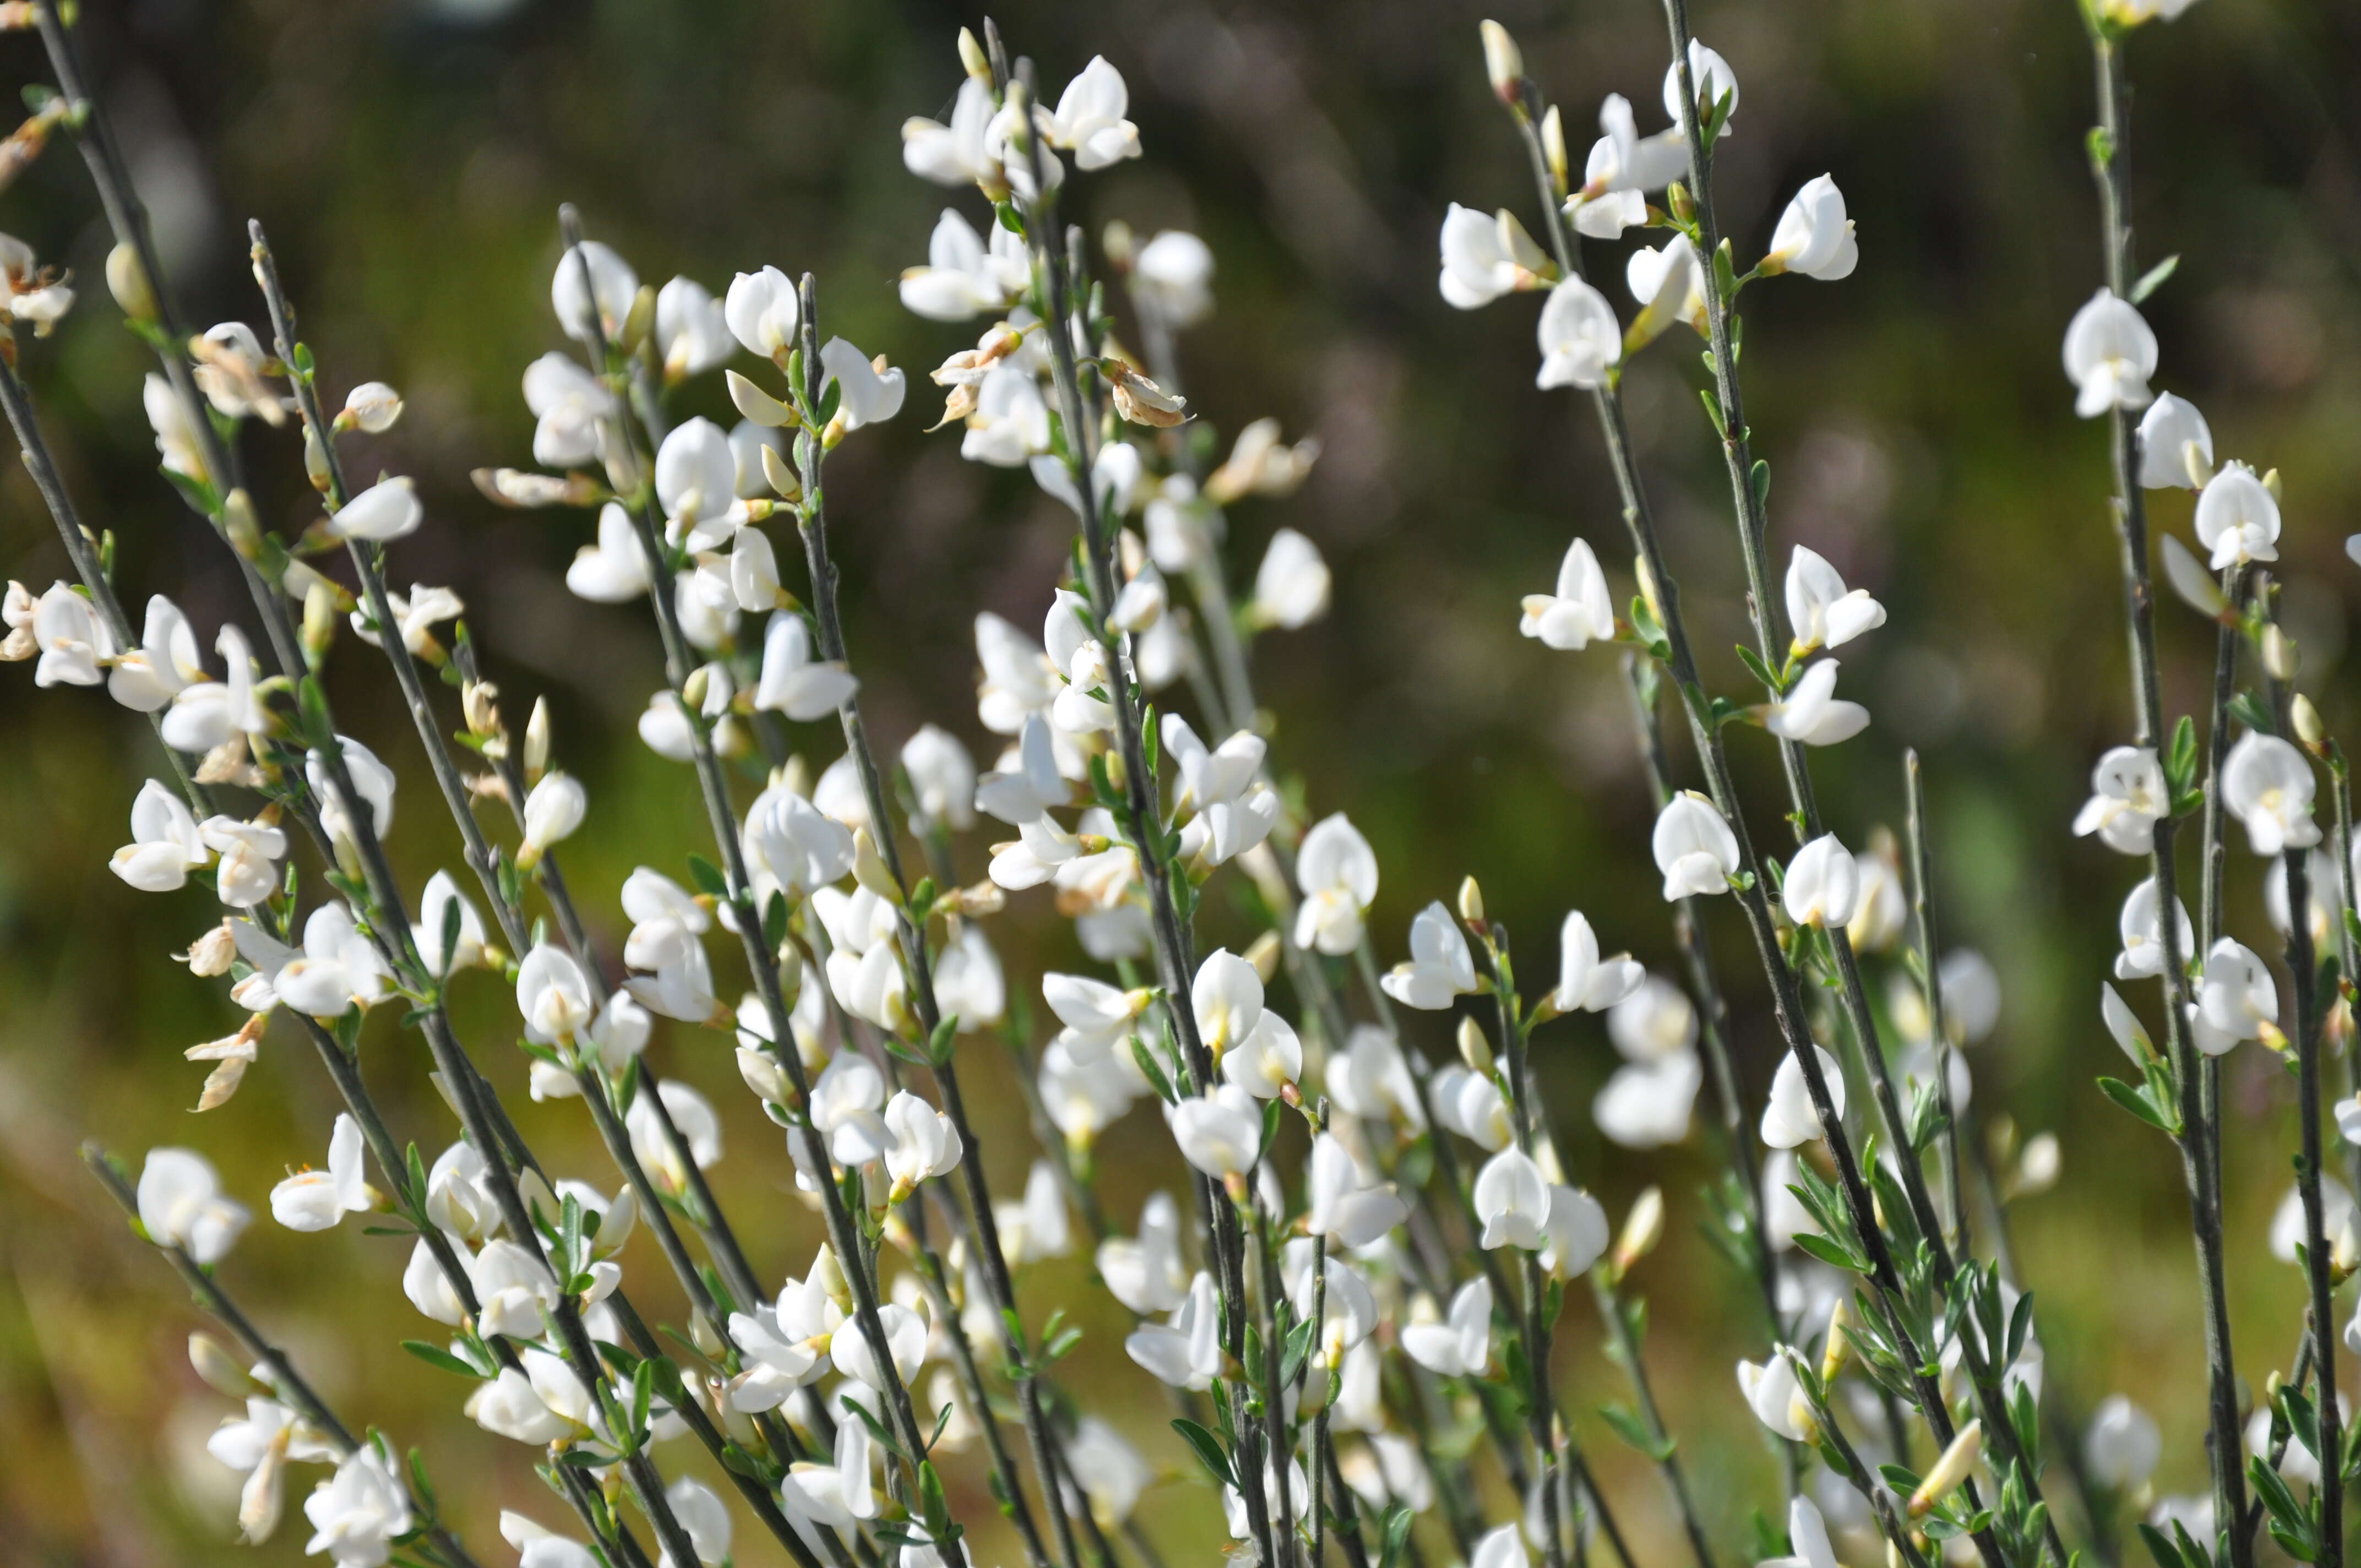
[2199,1145]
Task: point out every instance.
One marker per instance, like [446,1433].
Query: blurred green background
[407,160]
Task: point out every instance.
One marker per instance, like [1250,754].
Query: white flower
[1655,1022]
[763,313]
[260,1443]
[2237,518]
[1010,423]
[1580,338]
[2235,996]
[1646,1104]
[697,484]
[316,1200]
[1789,1117]
[1089,119]
[926,1143]
[1471,1104]
[906,1345]
[148,677]
[2127,800]
[1460,1347]
[1822,884]
[964,275]
[567,403]
[1970,995]
[180,1204]
[1813,236]
[1172,276]
[357,1515]
[1812,713]
[940,778]
[206,714]
[2176,446]
[1267,1061]
[837,1496]
[953,154]
[2288,1222]
[793,681]
[1345,1205]
[1709,74]
[371,779]
[675,978]
[869,393]
[2110,354]
[2143,936]
[1512,1199]
[2266,784]
[1108,1471]
[615,569]
[1291,589]
[792,847]
[1580,612]
[1221,1132]
[1501,1547]
[1183,1352]
[512,1289]
[1035,1227]
[692,1115]
[1349,1314]
[387,510]
[1337,872]
[1440,966]
[337,968]
[1148,1275]
[2130,1034]
[1483,258]
[538,1548]
[1095,1014]
[1586,982]
[1233,809]
[166,843]
[1368,1079]
[2121,1445]
[1666,283]
[440,894]
[1823,613]
[509,1407]
[1622,167]
[553,994]
[70,638]
[1807,1534]
[692,329]
[553,808]
[459,1194]
[176,436]
[969,984]
[706,1519]
[1777,1400]
[1575,1233]
[429,1288]
[1694,847]
[592,292]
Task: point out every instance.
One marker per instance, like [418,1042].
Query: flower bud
[217,1365]
[693,690]
[1643,1227]
[1471,901]
[1839,1345]
[700,1328]
[319,622]
[1677,202]
[1264,955]
[371,407]
[127,280]
[2271,483]
[479,704]
[1553,148]
[973,59]
[315,460]
[1119,244]
[1474,1049]
[2344,1249]
[212,953]
[1952,1468]
[869,868]
[537,740]
[763,1075]
[781,476]
[640,319]
[1504,63]
[2279,657]
[830,1276]
[2306,720]
[791,971]
[239,523]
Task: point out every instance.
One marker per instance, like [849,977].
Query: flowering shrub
[1352,1305]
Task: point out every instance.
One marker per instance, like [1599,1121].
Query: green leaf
[2153,279]
[203,499]
[1833,1252]
[1759,671]
[1299,1346]
[1397,1535]
[1154,1073]
[436,1356]
[707,877]
[1009,217]
[1760,479]
[2135,1102]
[1631,1430]
[1208,1450]
[2248,709]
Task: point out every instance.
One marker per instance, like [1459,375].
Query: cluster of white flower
[1365,1237]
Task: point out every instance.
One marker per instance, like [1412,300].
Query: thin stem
[2199,1140]
[1922,906]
